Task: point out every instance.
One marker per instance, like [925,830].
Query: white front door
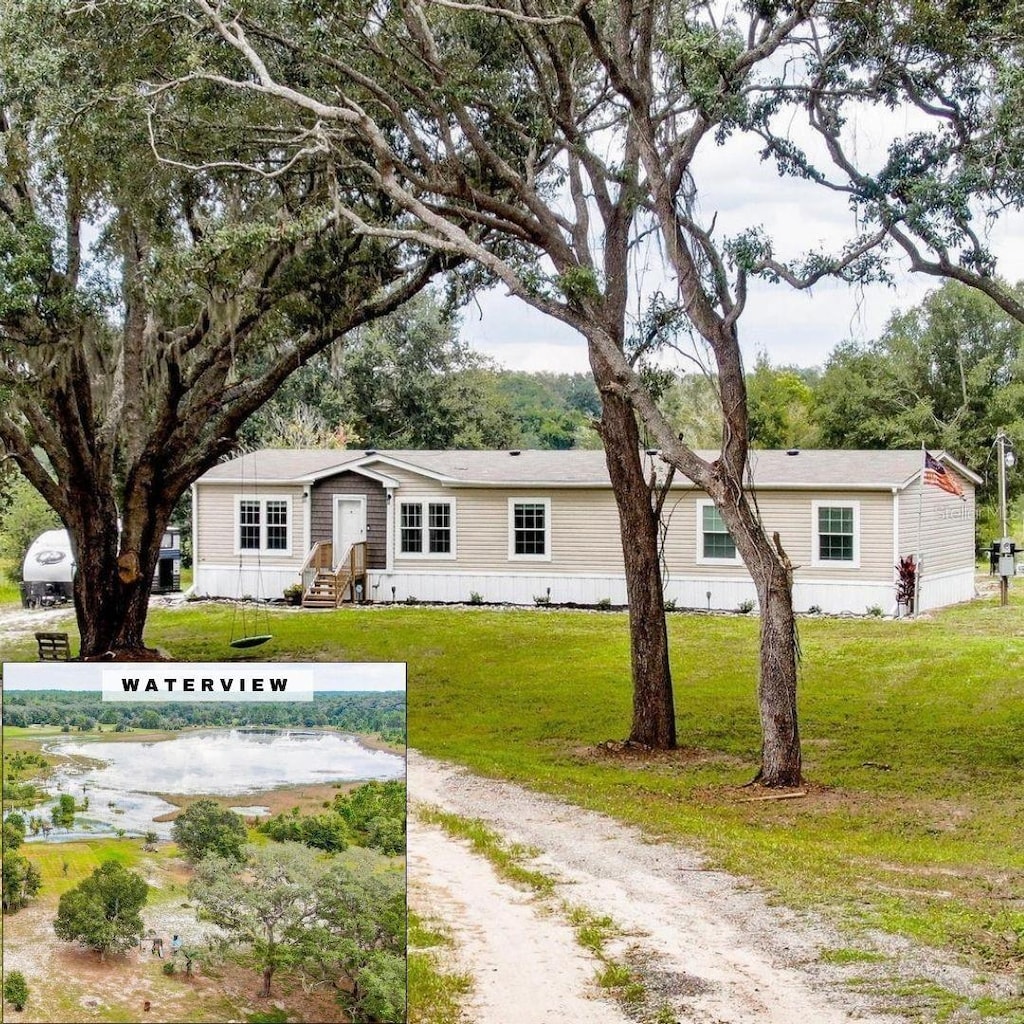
[349,524]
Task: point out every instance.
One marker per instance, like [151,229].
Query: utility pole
[1005,544]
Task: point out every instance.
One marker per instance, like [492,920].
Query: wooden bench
[53,647]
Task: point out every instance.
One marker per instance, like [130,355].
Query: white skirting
[717,593]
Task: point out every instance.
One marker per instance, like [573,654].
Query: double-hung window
[529,528]
[263,524]
[714,542]
[836,534]
[426,528]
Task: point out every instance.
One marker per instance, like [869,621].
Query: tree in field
[267,905]
[62,814]
[103,911]
[955,153]
[585,122]
[16,990]
[360,933]
[206,828]
[146,310]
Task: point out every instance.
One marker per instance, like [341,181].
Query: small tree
[102,912]
[63,813]
[207,828]
[16,990]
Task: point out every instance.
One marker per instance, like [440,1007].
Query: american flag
[936,474]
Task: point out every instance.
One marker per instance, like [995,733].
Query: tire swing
[249,625]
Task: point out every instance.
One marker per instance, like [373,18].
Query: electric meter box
[1007,557]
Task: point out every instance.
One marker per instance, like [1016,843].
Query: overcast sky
[792,327]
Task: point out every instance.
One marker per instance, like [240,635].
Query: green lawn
[913,736]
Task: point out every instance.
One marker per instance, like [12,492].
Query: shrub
[745,607]
[168,968]
[670,604]
[540,600]
[412,600]
[16,990]
[475,597]
[604,604]
[815,609]
[875,611]
[293,593]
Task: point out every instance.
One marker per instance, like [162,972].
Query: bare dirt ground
[68,983]
[709,945]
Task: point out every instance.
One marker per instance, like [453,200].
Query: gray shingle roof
[577,467]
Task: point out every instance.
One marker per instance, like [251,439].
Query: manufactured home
[523,526]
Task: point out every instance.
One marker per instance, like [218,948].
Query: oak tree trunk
[654,720]
[114,572]
[777,677]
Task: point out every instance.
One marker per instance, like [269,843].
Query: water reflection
[121,790]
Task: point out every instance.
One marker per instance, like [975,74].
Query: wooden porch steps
[326,586]
[323,593]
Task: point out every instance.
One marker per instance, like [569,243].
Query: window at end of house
[529,524]
[249,526]
[717,542]
[835,533]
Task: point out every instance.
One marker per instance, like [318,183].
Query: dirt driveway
[710,945]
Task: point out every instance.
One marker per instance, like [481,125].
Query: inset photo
[204,842]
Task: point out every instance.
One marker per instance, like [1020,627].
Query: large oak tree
[147,309]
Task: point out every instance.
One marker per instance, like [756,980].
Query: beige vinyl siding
[585,530]
[216,512]
[791,513]
[947,526]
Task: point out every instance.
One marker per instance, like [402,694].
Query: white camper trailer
[49,568]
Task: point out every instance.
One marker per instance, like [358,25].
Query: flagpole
[920,512]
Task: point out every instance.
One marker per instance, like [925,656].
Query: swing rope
[252,638]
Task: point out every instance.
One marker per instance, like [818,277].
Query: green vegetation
[507,858]
[371,815]
[207,828]
[435,994]
[866,843]
[103,911]
[380,714]
[16,990]
[20,878]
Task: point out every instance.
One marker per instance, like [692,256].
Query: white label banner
[225,681]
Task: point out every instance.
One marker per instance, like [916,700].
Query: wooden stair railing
[324,585]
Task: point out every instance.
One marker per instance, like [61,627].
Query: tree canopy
[103,911]
[146,308]
[205,829]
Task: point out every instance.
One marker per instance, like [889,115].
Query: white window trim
[831,563]
[702,559]
[284,552]
[424,503]
[526,500]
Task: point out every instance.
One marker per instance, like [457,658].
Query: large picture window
[529,528]
[426,528]
[263,524]
[836,528]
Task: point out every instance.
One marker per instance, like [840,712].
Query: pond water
[121,779]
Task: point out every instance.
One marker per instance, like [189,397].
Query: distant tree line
[382,714]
